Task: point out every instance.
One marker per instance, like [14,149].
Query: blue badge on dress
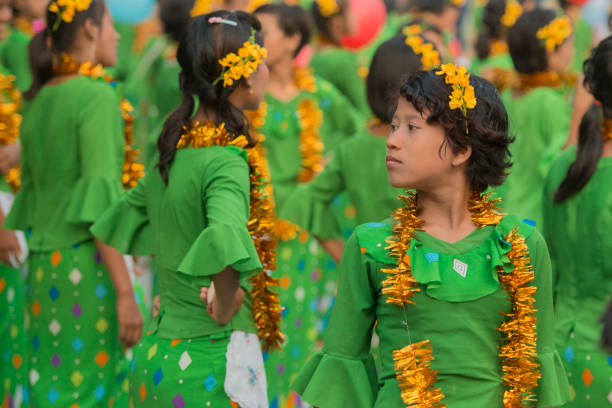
[432,257]
[529,222]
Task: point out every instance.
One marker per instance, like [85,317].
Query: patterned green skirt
[13,374]
[590,376]
[179,373]
[75,356]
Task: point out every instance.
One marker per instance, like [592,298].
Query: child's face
[279,46]
[108,41]
[35,9]
[560,59]
[417,157]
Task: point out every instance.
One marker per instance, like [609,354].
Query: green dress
[539,120]
[344,69]
[459,314]
[307,274]
[503,61]
[71,160]
[15,58]
[577,232]
[13,373]
[583,43]
[195,227]
[357,168]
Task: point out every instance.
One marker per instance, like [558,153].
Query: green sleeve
[553,388]
[554,123]
[309,206]
[341,120]
[225,241]
[125,226]
[100,152]
[345,365]
[16,58]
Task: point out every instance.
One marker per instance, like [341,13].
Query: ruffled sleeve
[344,365]
[309,206]
[553,388]
[91,197]
[225,241]
[125,225]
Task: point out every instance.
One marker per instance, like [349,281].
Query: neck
[445,211]
[82,54]
[204,115]
[281,73]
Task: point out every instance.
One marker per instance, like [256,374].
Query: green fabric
[341,67]
[158,380]
[358,167]
[583,43]
[71,162]
[539,120]
[503,61]
[464,335]
[15,56]
[282,130]
[195,227]
[73,331]
[577,231]
[13,363]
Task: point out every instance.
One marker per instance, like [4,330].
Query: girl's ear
[462,157]
[91,29]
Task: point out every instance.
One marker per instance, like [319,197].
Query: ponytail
[41,63]
[590,147]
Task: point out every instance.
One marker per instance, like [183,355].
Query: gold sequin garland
[413,363]
[505,79]
[265,302]
[607,129]
[132,170]
[10,119]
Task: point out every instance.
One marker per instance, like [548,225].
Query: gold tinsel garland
[413,363]
[265,302]
[550,79]
[132,171]
[23,24]
[607,129]
[10,119]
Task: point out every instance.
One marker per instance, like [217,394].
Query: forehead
[406,110]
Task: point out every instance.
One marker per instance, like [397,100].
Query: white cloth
[245,378]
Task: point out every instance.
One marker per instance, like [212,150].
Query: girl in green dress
[202,211]
[443,15]
[343,68]
[80,303]
[493,59]
[577,228]
[541,47]
[460,295]
[367,186]
[306,120]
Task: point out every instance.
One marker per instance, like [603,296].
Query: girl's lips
[392,161]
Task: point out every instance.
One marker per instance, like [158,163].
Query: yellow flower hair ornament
[430,58]
[512,13]
[554,33]
[242,64]
[462,97]
[328,8]
[66,9]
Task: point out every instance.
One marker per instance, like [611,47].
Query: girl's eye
[394,127]
[412,127]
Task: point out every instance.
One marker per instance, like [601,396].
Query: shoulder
[372,238]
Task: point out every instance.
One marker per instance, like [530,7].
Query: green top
[341,67]
[503,61]
[71,162]
[15,57]
[459,314]
[583,43]
[195,227]
[358,167]
[540,122]
[282,131]
[578,231]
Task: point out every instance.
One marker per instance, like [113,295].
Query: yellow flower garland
[10,119]
[554,33]
[243,64]
[550,79]
[413,363]
[512,13]
[265,302]
[429,56]
[132,170]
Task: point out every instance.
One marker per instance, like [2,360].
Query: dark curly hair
[487,125]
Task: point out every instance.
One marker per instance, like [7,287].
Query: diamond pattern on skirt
[185,361]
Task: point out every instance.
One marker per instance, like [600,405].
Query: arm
[582,101]
[9,245]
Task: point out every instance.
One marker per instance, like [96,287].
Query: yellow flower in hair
[66,9]
[512,13]
[429,56]
[462,95]
[202,7]
[413,29]
[554,33]
[241,64]
[328,8]
[255,4]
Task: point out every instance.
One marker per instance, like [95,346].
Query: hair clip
[219,20]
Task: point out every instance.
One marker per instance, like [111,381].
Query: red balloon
[370,16]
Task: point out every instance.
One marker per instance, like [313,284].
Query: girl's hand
[129,318]
[222,317]
[156,305]
[9,156]
[9,247]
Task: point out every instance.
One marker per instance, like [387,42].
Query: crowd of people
[231,204]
